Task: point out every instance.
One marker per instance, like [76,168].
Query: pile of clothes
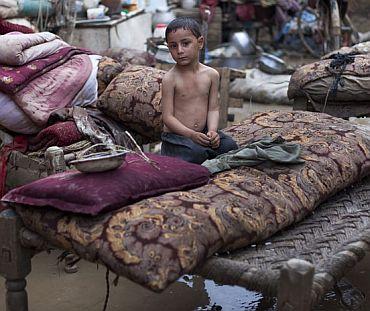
[39,74]
[49,92]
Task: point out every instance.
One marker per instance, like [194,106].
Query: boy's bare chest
[191,88]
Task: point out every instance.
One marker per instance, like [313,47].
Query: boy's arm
[213,105]
[169,120]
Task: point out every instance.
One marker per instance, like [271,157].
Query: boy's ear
[201,42]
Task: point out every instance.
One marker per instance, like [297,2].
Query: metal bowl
[271,64]
[243,43]
[100,162]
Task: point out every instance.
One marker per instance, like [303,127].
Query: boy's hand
[200,138]
[214,139]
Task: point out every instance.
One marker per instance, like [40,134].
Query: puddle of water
[356,289]
[224,297]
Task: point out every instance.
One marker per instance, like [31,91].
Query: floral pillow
[108,69]
[134,97]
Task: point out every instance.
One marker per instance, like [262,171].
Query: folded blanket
[13,79]
[60,134]
[13,118]
[9,8]
[89,92]
[18,48]
[6,27]
[54,89]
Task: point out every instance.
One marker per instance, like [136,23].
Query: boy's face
[184,46]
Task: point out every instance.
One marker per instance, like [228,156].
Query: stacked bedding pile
[40,73]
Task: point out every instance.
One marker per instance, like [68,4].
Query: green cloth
[266,149]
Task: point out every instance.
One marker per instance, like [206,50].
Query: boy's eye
[172,46]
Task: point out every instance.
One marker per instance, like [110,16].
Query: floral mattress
[156,240]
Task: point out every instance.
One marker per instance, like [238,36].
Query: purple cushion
[98,192]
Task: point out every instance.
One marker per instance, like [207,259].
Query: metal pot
[271,64]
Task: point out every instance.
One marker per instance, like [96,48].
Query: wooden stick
[294,291]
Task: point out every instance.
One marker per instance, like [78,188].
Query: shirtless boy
[190,99]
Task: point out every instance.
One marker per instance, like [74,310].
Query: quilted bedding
[156,240]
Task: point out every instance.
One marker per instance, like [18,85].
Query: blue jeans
[178,146]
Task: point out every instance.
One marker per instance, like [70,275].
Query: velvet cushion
[158,239]
[97,192]
[134,98]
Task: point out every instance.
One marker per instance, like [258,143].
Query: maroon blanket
[54,89]
[13,79]
[59,134]
[6,27]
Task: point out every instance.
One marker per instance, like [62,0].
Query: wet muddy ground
[50,288]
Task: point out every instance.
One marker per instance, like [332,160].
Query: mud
[50,288]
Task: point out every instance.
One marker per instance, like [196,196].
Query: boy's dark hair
[187,23]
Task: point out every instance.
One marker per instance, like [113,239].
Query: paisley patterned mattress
[155,241]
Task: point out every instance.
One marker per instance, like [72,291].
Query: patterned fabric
[156,240]
[108,69]
[53,90]
[105,191]
[134,97]
[360,48]
[60,134]
[130,57]
[316,80]
[13,79]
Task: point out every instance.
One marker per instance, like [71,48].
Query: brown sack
[316,80]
